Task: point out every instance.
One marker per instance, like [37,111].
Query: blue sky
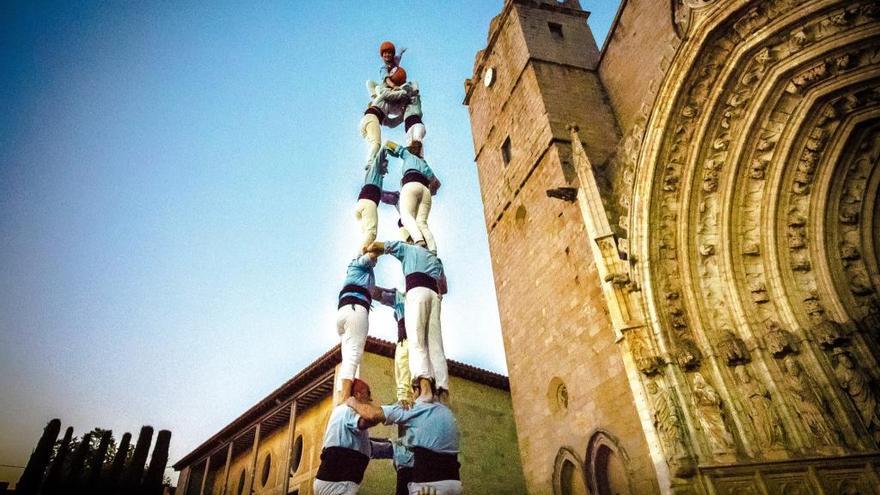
[177,183]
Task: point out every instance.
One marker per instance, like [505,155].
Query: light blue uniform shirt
[411,162]
[377,169]
[360,272]
[429,425]
[415,258]
[343,431]
[403,455]
[399,300]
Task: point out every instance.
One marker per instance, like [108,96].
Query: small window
[267,466]
[297,454]
[505,151]
[555,30]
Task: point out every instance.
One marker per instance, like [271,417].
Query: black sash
[434,466]
[414,176]
[371,192]
[419,279]
[341,464]
[349,299]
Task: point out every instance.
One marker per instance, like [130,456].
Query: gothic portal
[684,228]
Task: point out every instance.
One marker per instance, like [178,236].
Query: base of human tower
[286,428]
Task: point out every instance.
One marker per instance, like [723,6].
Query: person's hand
[390,197]
[405,404]
[351,402]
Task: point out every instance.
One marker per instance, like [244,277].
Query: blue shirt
[360,273]
[429,425]
[399,300]
[377,169]
[403,454]
[342,431]
[411,162]
[415,258]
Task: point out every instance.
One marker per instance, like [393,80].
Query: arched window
[607,465]
[568,474]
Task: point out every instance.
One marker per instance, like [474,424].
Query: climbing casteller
[367,208]
[425,282]
[352,317]
[395,300]
[393,100]
[417,185]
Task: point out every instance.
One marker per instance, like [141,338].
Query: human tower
[426,454]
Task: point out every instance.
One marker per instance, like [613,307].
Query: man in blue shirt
[367,209]
[346,451]
[425,281]
[433,438]
[352,316]
[416,188]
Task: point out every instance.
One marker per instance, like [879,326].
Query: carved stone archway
[753,221]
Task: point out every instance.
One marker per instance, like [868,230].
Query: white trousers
[422,316]
[415,133]
[322,487]
[367,214]
[443,487]
[352,324]
[371,131]
[415,205]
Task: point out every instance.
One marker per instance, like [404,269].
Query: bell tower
[536,77]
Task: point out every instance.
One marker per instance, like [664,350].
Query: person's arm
[390,197]
[370,413]
[441,284]
[367,260]
[381,448]
[384,296]
[434,185]
[397,95]
[394,149]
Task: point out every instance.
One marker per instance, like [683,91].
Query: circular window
[240,483]
[267,465]
[297,454]
[557,395]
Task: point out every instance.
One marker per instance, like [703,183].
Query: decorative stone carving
[732,349]
[829,334]
[857,385]
[669,425]
[757,406]
[688,355]
[871,321]
[759,292]
[646,361]
[709,413]
[810,407]
[779,342]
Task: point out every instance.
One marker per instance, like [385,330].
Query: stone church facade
[685,236]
